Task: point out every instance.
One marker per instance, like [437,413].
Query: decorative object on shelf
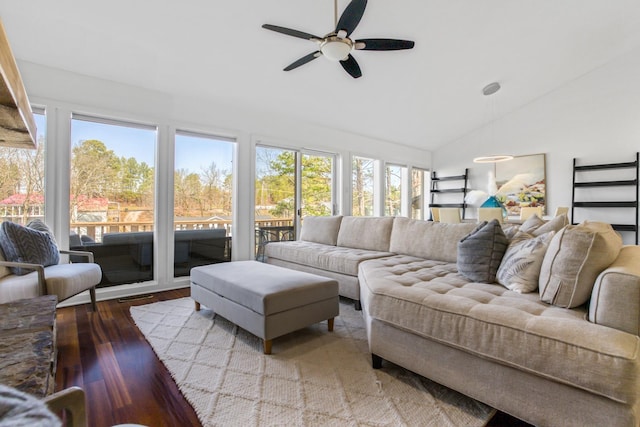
[622,206]
[522,182]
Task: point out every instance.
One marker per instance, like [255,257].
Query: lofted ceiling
[423,97]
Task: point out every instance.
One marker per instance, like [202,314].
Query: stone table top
[28,344]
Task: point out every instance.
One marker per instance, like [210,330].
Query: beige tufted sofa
[541,363]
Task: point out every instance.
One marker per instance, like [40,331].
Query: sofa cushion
[480,252]
[370,233]
[430,299]
[520,266]
[531,224]
[574,259]
[615,299]
[321,229]
[324,257]
[428,239]
[554,224]
[23,244]
[536,226]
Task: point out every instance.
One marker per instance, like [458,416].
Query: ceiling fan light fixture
[336,49]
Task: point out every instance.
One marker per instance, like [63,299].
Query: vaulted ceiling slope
[424,97]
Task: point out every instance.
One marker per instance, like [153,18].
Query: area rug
[313,378]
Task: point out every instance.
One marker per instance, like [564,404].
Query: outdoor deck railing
[95,230]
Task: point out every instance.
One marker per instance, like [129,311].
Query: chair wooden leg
[92,293]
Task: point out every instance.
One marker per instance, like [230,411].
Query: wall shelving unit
[631,204]
[438,190]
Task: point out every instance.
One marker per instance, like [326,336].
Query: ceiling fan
[337,46]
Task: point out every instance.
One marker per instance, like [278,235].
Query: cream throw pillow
[520,266]
[576,255]
[321,229]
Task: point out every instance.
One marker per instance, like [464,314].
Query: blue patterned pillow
[23,244]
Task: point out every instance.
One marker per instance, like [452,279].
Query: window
[22,178]
[418,185]
[395,178]
[112,196]
[203,184]
[362,186]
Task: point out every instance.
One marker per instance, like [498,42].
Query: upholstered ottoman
[266,300]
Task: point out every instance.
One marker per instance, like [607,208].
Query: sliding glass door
[290,185]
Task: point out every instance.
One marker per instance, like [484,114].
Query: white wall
[62,92]
[595,118]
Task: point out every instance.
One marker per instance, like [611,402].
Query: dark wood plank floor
[106,355]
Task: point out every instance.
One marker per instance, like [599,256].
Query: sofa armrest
[42,287]
[87,254]
[615,300]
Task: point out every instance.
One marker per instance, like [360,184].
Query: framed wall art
[522,182]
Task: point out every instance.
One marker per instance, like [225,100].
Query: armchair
[62,280]
[22,276]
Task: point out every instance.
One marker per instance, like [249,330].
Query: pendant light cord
[335,13]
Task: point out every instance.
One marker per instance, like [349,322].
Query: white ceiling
[423,97]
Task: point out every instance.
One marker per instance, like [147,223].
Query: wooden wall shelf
[633,225]
[17,125]
[435,190]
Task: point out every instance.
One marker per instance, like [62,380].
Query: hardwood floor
[106,355]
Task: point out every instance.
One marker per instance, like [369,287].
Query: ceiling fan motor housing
[336,48]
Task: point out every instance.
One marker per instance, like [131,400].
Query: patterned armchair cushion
[24,244]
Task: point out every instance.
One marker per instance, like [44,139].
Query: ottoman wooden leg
[267,346]
[197,305]
[330,324]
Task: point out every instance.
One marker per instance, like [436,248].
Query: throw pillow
[554,224]
[321,229]
[23,244]
[575,258]
[37,224]
[520,266]
[480,252]
[531,224]
[510,230]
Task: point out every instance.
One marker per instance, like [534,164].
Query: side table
[28,345]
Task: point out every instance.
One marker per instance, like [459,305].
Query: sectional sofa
[566,353]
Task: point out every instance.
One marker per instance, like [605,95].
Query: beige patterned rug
[313,378]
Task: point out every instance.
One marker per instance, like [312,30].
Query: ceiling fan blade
[351,16]
[290,32]
[351,66]
[384,44]
[303,60]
